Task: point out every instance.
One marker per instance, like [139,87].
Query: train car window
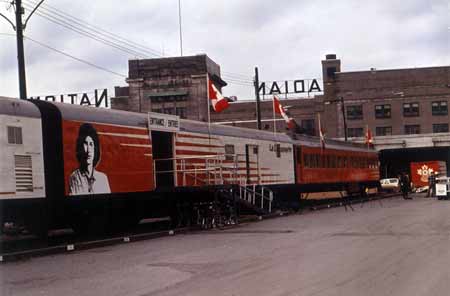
[14,135]
[255,149]
[229,152]
[306,160]
[278,148]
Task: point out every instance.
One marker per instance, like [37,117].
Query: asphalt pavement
[396,247]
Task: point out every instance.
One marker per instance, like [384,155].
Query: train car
[91,168]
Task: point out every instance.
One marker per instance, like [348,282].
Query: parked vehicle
[390,184]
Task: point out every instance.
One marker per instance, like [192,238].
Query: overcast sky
[286,39]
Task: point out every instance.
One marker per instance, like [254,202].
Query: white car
[390,184]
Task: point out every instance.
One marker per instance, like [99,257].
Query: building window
[181,111]
[439,108]
[169,110]
[383,131]
[383,111]
[440,128]
[411,109]
[355,112]
[229,152]
[412,129]
[157,110]
[355,132]
[14,135]
[307,126]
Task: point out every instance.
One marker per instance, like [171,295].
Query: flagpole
[209,112]
[274,119]
[320,133]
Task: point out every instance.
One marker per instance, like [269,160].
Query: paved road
[402,248]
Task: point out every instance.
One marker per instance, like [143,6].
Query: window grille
[24,173]
[15,135]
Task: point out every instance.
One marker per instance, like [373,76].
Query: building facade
[176,85]
[389,102]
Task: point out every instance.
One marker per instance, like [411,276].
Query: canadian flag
[278,109]
[369,138]
[218,102]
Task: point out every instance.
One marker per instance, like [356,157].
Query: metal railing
[255,196]
[210,170]
[204,169]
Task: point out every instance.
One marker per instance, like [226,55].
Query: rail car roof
[119,117]
[17,107]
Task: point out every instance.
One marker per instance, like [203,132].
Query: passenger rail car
[65,165]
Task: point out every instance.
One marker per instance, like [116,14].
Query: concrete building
[176,85]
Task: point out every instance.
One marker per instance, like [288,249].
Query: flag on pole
[369,138]
[278,109]
[218,102]
[321,133]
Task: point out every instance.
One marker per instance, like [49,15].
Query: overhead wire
[99,31]
[85,33]
[68,55]
[98,34]
[136,48]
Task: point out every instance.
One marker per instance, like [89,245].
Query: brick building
[390,102]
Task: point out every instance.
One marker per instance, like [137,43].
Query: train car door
[252,163]
[162,150]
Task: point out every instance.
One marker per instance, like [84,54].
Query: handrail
[199,156]
[211,165]
[244,191]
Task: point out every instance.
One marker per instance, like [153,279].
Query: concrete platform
[401,247]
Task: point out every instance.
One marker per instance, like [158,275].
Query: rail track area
[399,247]
[17,244]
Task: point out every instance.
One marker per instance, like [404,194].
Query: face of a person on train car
[89,150]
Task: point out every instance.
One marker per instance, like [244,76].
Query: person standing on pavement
[432,184]
[405,185]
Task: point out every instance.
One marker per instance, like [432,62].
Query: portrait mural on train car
[86,179]
[103,159]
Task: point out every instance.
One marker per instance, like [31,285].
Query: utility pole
[19,27]
[258,101]
[20,51]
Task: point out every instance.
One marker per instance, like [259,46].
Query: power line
[239,76]
[85,33]
[99,31]
[237,80]
[70,56]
